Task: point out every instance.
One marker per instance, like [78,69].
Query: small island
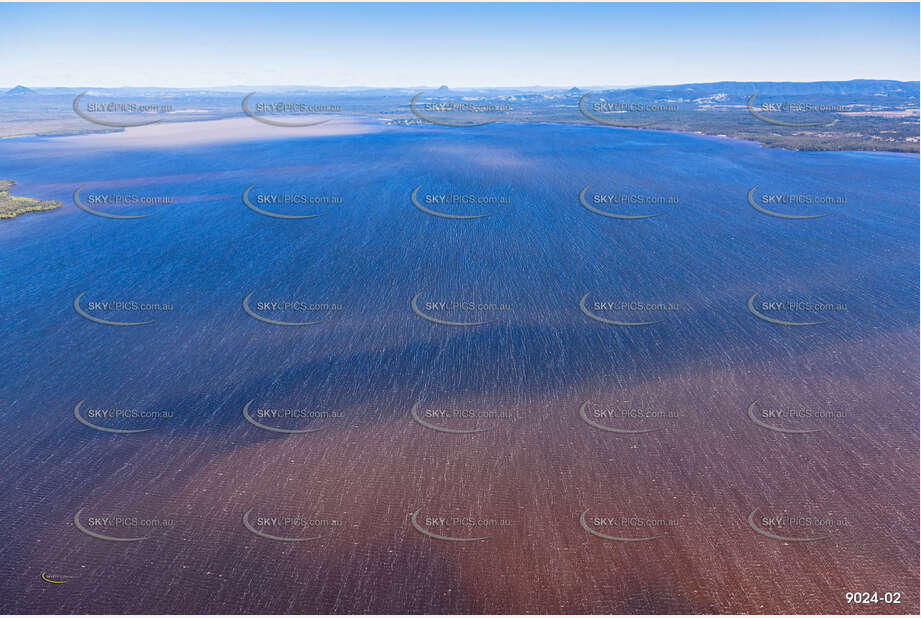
[12,206]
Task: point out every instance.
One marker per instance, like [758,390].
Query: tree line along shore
[13,206]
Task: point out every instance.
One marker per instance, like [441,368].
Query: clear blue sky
[206,45]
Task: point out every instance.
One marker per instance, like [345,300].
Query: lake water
[533,360]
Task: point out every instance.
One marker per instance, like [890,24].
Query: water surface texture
[694,480]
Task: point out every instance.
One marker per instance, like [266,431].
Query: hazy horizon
[232,87]
[391,45]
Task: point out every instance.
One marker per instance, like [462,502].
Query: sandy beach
[225,130]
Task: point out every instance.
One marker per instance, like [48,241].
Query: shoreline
[213,131]
[354,123]
[12,206]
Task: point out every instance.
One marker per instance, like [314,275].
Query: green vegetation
[880,115]
[12,206]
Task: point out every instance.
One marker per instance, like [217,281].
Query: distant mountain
[19,91]
[852,88]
